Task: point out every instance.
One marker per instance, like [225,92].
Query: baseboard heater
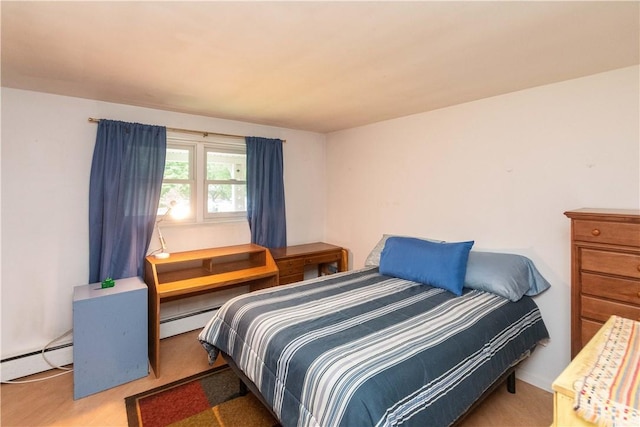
[62,355]
[186,322]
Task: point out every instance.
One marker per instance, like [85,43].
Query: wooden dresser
[292,260]
[605,270]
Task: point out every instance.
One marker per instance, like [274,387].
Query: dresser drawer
[607,232]
[290,266]
[323,258]
[623,290]
[589,329]
[618,263]
[601,310]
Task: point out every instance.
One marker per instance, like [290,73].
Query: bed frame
[509,377]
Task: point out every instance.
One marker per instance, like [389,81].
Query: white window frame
[192,181]
[199,146]
[227,149]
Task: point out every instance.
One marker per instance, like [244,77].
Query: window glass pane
[177,164]
[226,198]
[204,180]
[176,195]
[226,166]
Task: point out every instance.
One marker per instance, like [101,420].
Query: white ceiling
[317,66]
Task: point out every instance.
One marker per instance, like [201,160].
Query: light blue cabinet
[109,335]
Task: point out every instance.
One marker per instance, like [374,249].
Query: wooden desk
[186,274]
[291,260]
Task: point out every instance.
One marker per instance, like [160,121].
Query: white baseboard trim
[535,380]
[62,355]
[33,363]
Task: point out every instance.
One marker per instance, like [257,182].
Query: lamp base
[162,255]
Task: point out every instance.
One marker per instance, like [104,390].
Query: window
[205,180]
[178,183]
[226,183]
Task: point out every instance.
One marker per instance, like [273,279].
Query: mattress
[363,349]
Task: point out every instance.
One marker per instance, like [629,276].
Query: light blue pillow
[508,275]
[442,265]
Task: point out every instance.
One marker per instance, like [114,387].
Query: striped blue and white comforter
[364,349]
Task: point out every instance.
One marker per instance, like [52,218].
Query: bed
[371,348]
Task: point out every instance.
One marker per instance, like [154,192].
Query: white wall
[500,171]
[47,146]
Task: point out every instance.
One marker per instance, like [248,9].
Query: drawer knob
[595,232]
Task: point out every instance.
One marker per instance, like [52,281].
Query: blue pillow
[508,275]
[374,256]
[442,265]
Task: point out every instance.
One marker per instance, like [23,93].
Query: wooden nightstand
[564,387]
[291,260]
[109,335]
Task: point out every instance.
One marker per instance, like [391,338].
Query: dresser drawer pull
[595,232]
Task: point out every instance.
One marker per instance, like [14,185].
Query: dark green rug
[211,398]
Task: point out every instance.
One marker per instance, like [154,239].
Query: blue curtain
[265,192]
[126,177]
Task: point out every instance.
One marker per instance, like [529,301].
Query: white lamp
[163,244]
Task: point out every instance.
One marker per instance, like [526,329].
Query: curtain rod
[198,132]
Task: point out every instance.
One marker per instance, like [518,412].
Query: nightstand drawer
[565,415]
[607,232]
[601,310]
[625,290]
[618,263]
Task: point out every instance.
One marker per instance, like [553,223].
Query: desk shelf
[187,274]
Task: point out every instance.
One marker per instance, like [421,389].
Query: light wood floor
[50,403]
